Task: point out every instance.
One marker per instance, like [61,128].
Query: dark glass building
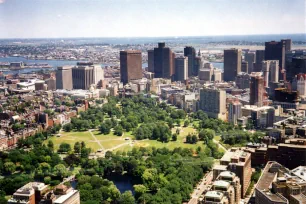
[163,61]
[260,56]
[232,64]
[130,65]
[191,54]
[276,51]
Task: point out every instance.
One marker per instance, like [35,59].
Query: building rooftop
[214,194]
[235,154]
[227,174]
[221,183]
[300,172]
[63,198]
[266,179]
[220,167]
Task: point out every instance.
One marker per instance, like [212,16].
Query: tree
[85,152]
[50,145]
[194,139]
[186,123]
[174,137]
[118,130]
[9,167]
[77,147]
[139,190]
[68,127]
[126,198]
[64,147]
[60,170]
[188,138]
[206,134]
[105,128]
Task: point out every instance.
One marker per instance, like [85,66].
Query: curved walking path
[220,145]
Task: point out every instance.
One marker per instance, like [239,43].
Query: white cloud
[2,1]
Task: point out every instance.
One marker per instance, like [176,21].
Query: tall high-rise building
[64,77]
[243,80]
[234,112]
[98,73]
[257,89]
[245,67]
[276,51]
[51,83]
[239,162]
[198,64]
[259,56]
[274,71]
[82,77]
[232,64]
[206,74]
[213,102]
[191,54]
[298,65]
[163,61]
[151,60]
[250,58]
[130,65]
[217,75]
[271,71]
[301,84]
[288,44]
[181,69]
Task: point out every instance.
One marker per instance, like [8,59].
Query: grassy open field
[73,137]
[184,131]
[116,143]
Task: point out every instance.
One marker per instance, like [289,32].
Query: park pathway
[96,140]
[220,145]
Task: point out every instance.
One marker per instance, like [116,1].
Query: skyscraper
[250,58]
[271,71]
[232,64]
[130,65]
[276,51]
[260,56]
[234,112]
[244,67]
[98,75]
[274,71]
[213,102]
[82,77]
[151,60]
[163,61]
[191,54]
[198,64]
[64,77]
[181,69]
[288,44]
[298,65]
[301,84]
[257,89]
[243,80]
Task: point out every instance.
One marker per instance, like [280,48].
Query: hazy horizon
[151,18]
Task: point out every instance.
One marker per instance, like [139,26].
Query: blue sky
[149,18]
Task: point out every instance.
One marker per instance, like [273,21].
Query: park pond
[122,182]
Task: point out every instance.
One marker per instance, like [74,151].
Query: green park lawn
[73,137]
[171,145]
[110,141]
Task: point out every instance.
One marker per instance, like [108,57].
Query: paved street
[207,179]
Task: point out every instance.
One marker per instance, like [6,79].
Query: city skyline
[133,18]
